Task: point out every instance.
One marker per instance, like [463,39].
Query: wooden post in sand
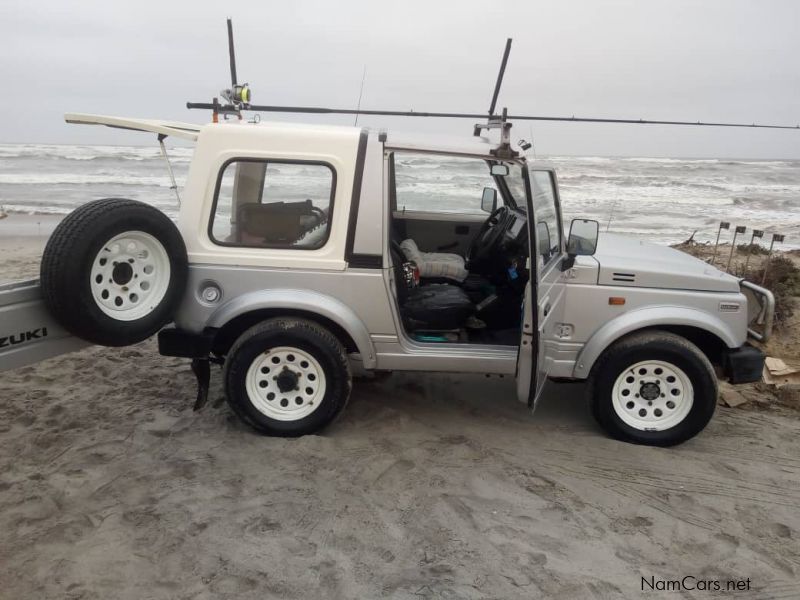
[739,229]
[757,233]
[722,225]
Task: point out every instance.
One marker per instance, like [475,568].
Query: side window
[441,184]
[273,204]
[548,230]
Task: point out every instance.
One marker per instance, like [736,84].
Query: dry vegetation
[783,279]
[751,261]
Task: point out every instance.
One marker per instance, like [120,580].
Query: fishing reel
[238,96]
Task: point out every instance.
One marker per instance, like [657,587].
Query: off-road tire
[69,267]
[662,348]
[313,341]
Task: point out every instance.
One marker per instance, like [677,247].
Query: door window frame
[502,188]
[559,218]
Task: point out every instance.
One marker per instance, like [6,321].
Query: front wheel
[653,388]
[287,377]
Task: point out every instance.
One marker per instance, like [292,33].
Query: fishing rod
[449,115]
[239,96]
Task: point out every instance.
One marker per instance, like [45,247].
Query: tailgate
[28,333]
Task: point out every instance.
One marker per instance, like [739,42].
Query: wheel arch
[241,313]
[703,329]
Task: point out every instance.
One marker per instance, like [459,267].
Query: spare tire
[114,271]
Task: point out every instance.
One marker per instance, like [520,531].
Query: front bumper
[744,364]
[760,310]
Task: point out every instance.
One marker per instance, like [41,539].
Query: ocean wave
[23,209]
[660,180]
[707,161]
[85,179]
[89,153]
[576,159]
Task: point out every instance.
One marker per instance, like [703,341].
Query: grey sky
[678,59]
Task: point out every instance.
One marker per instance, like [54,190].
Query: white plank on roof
[186,131]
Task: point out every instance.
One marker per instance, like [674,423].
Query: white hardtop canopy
[186,131]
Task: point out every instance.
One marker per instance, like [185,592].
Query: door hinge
[563,331]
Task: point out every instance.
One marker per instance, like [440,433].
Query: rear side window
[273,204]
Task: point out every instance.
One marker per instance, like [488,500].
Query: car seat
[432,307]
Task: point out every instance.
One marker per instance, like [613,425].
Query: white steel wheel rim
[285,383]
[130,275]
[652,395]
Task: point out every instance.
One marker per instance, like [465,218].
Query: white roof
[186,131]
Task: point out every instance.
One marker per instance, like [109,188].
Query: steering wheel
[490,233]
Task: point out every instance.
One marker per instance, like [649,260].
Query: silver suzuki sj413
[302,252]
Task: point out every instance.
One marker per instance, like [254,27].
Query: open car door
[543,304]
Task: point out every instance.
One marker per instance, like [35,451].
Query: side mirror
[582,241]
[489,200]
[498,169]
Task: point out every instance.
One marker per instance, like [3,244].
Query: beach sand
[428,486]
[22,241]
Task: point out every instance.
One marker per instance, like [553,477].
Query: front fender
[302,300]
[650,317]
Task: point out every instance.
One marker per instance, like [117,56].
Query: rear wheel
[287,377]
[653,388]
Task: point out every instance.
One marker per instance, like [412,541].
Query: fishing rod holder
[218,109]
[504,150]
